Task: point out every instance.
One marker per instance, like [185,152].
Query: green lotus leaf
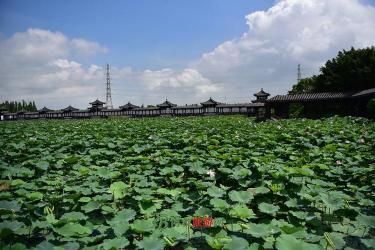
[84,199]
[242,211]
[203,211]
[17,246]
[9,207]
[67,246]
[118,189]
[215,191]
[291,203]
[287,242]
[149,207]
[125,215]
[236,243]
[44,245]
[120,222]
[370,243]
[179,232]
[42,165]
[299,214]
[333,200]
[241,196]
[261,230]
[117,243]
[169,213]
[9,227]
[50,218]
[291,229]
[218,242]
[83,170]
[91,206]
[17,182]
[72,230]
[142,226]
[366,220]
[258,190]
[219,204]
[34,196]
[268,208]
[151,243]
[73,216]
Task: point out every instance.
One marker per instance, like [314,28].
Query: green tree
[34,107]
[351,70]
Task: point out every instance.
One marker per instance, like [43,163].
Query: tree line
[349,71]
[14,106]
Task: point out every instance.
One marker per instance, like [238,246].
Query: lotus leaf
[241,196]
[268,208]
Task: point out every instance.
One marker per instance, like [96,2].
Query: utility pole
[299,73]
[108,99]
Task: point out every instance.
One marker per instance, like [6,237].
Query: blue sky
[142,33]
[53,52]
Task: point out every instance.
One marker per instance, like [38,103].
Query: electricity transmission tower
[299,73]
[108,99]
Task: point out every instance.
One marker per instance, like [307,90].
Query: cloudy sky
[54,52]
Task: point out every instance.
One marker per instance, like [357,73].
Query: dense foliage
[18,106]
[102,184]
[371,107]
[352,70]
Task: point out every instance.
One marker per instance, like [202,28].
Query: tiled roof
[261,93]
[147,108]
[128,106]
[240,105]
[69,109]
[188,107]
[166,104]
[209,102]
[97,102]
[309,97]
[44,109]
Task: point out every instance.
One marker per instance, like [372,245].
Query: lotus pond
[115,183]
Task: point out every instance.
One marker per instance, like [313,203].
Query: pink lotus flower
[211,173]
[338,162]
[361,141]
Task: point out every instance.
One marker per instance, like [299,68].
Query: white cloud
[168,78]
[291,32]
[36,65]
[87,48]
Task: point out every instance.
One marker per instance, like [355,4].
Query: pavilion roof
[128,106]
[69,109]
[209,102]
[44,109]
[166,104]
[97,102]
[261,93]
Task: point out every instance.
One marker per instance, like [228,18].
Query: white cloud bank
[291,32]
[44,66]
